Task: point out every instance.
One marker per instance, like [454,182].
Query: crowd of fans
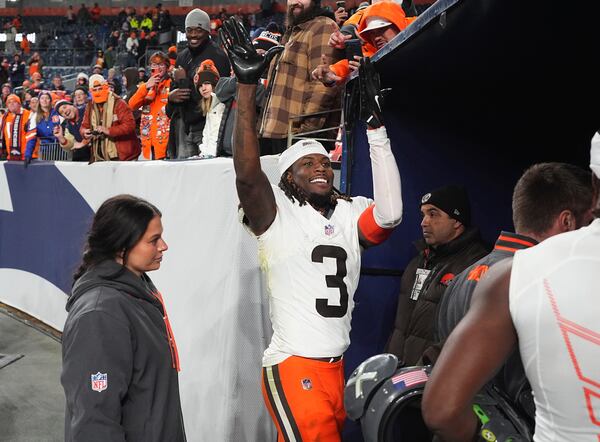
[182,98]
[118,49]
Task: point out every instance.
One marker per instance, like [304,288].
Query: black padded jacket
[118,367]
[418,303]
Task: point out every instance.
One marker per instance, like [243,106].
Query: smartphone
[353,47]
[340,4]
[183,83]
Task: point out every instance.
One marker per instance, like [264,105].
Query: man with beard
[108,125]
[310,241]
[291,91]
[200,48]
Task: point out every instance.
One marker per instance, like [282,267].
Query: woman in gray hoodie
[120,360]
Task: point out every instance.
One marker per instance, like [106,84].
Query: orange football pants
[305,398]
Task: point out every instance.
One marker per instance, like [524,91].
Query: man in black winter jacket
[200,47]
[449,245]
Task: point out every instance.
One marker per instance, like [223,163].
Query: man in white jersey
[310,238]
[546,300]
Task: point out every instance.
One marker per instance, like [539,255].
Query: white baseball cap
[298,150]
[97,79]
[595,154]
[376,23]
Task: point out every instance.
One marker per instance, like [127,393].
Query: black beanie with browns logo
[266,40]
[451,199]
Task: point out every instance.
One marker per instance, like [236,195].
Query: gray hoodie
[118,373]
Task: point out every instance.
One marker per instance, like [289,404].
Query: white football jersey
[312,267]
[555,305]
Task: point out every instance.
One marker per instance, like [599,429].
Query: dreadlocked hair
[294,192]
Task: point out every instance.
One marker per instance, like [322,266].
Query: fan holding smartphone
[151,97]
[378,25]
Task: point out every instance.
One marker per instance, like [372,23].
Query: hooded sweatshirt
[388,10]
[118,367]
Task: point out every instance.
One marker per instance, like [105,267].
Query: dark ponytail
[118,225]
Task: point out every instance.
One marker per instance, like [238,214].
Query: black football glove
[371,95]
[247,64]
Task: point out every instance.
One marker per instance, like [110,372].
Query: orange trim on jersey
[508,249]
[589,397]
[370,230]
[518,241]
[477,273]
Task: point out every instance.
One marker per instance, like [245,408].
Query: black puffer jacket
[416,315]
[118,373]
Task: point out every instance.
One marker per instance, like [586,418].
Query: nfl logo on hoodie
[99,382]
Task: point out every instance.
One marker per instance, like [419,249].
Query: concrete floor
[32,401]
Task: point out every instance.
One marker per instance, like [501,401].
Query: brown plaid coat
[291,91]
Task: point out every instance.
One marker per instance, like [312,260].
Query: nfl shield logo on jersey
[306,384]
[99,382]
[329,230]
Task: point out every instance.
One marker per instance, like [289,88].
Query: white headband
[595,154]
[298,150]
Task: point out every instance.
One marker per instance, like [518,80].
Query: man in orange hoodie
[152,97]
[377,25]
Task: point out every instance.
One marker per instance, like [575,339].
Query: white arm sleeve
[387,190]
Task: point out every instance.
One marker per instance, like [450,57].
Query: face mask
[100,96]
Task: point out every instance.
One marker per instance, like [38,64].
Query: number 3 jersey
[312,267]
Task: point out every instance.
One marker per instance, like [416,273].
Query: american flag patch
[410,378]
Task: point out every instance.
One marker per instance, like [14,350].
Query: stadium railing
[53,152]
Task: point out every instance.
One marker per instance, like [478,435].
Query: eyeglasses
[156,65]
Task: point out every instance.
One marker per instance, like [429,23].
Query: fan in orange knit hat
[207,73]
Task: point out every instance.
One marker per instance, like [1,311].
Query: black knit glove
[247,64]
[371,95]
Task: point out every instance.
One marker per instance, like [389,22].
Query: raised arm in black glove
[371,95]
[248,65]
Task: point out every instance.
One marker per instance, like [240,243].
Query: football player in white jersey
[310,238]
[545,299]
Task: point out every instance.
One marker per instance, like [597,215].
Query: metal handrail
[296,117]
[304,135]
[54,152]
